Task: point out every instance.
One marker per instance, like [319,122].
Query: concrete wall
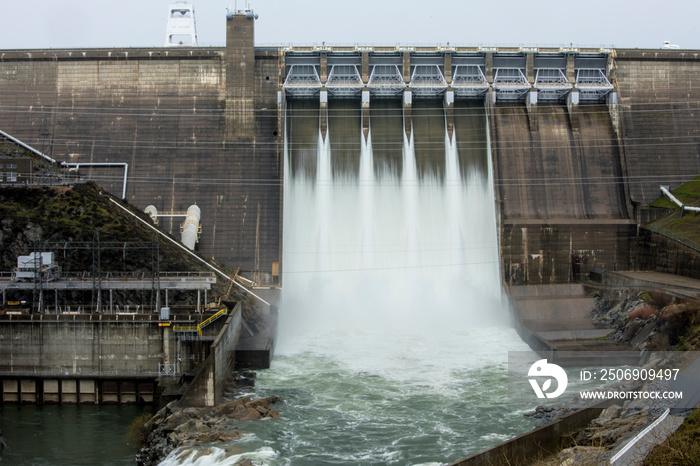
[208,386]
[658,253]
[195,126]
[63,345]
[536,444]
[658,94]
[558,171]
[562,209]
[561,251]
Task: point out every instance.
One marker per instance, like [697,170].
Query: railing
[124,275]
[198,328]
[184,328]
[166,369]
[211,319]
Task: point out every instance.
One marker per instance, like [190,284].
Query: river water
[52,435]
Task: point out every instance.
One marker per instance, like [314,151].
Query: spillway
[394,332]
[406,226]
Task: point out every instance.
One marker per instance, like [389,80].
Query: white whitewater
[389,254]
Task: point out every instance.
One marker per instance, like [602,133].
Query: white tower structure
[181,30]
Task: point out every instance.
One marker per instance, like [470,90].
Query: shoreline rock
[174,427]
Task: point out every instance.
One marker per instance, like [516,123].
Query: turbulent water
[394,333]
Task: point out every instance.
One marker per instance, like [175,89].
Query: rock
[252,415]
[175,427]
[604,432]
[578,455]
[611,411]
[229,407]
[262,410]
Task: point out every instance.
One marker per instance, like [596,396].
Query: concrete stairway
[554,318]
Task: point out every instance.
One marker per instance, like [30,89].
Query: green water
[67,434]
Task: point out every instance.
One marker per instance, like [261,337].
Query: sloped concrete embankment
[208,386]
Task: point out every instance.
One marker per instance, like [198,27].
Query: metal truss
[386,81]
[510,84]
[302,81]
[592,84]
[344,81]
[469,81]
[551,83]
[427,81]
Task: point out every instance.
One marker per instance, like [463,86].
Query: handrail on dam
[198,328]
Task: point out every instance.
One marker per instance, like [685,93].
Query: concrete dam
[578,140]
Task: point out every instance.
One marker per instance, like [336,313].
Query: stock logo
[542,369]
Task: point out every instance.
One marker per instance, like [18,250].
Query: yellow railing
[198,328]
[211,319]
[184,328]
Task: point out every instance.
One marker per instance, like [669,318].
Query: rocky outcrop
[652,320]
[173,427]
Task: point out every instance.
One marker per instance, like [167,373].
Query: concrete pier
[104,358]
[87,389]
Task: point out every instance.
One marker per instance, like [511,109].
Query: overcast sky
[141,23]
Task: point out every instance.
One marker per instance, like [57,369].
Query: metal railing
[166,369]
[198,328]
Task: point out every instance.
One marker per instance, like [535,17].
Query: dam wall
[110,358]
[108,346]
[81,359]
[578,139]
[659,92]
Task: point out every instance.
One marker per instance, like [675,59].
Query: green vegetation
[688,226]
[681,448]
[33,217]
[688,193]
[140,429]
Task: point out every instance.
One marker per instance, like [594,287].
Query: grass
[682,447]
[687,226]
[68,215]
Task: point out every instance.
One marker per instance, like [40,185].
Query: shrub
[140,429]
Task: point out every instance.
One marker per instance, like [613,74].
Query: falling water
[393,329]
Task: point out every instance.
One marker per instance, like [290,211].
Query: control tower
[181,30]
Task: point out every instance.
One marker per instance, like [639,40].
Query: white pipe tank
[153,213]
[191,227]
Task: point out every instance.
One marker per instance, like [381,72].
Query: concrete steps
[552,319]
